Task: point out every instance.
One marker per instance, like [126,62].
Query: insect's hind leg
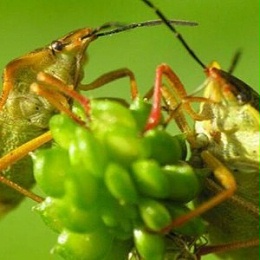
[222,248]
[224,177]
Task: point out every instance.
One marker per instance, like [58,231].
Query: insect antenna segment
[176,33]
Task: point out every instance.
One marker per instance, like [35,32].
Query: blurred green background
[224,27]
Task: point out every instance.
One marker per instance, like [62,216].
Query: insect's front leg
[177,102]
[58,94]
[112,76]
[53,89]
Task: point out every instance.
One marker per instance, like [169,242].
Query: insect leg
[176,99]
[227,247]
[17,154]
[111,76]
[48,80]
[57,99]
[224,177]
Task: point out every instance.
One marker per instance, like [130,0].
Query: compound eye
[57,46]
[242,98]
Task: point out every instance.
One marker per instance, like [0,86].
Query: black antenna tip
[175,32]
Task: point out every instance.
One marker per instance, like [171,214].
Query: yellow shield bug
[225,138]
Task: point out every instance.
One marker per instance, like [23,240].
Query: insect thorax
[233,134]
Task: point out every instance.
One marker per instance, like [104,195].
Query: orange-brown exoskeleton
[225,138]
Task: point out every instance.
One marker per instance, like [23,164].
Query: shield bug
[225,138]
[30,97]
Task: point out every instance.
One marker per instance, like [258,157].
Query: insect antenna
[175,32]
[234,61]
[120,27]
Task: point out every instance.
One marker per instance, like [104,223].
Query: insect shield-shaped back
[24,114]
[226,140]
[233,134]
[233,128]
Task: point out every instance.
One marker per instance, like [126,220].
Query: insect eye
[57,46]
[242,98]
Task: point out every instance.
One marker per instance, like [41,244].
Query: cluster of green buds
[111,187]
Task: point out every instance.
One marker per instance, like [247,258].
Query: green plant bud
[194,227]
[117,218]
[50,213]
[124,146]
[150,179]
[83,188]
[165,149]
[90,246]
[51,167]
[184,184]
[154,214]
[120,184]
[150,246]
[183,144]
[87,152]
[109,208]
[106,114]
[141,110]
[62,129]
[78,220]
